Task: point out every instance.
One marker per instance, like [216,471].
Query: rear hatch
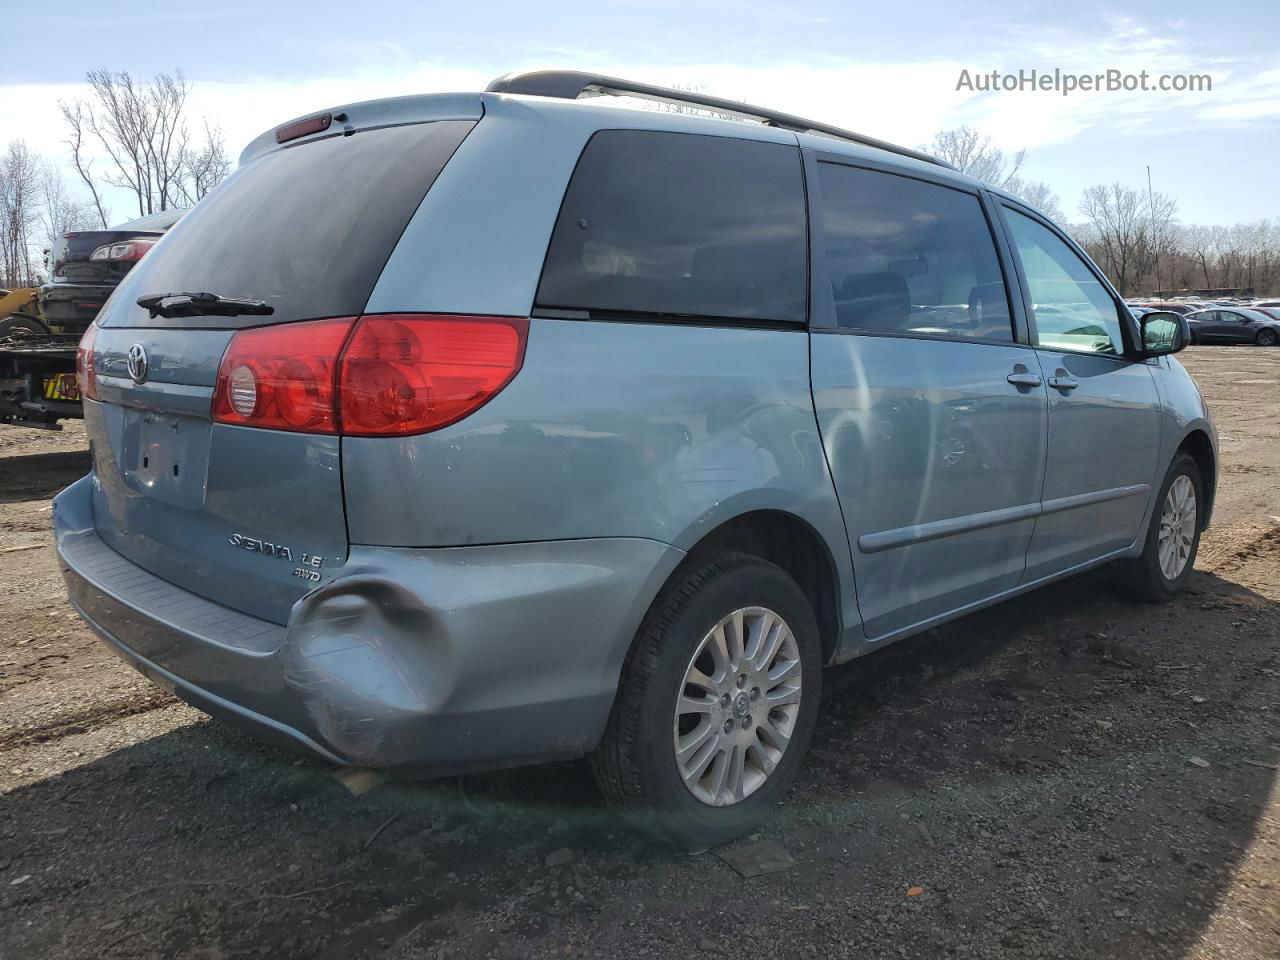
[249,517]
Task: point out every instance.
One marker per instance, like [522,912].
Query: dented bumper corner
[427,661]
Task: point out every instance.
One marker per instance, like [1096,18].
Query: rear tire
[707,733]
[21,325]
[1173,536]
[1267,338]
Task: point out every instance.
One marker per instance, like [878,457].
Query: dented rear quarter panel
[655,431]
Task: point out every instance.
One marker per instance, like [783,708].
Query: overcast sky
[888,69]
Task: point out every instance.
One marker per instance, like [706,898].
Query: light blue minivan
[461,431]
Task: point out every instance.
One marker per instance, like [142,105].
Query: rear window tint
[307,228]
[909,257]
[681,225]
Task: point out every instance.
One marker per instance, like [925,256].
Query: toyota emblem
[138,362]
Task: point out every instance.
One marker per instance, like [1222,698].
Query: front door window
[1072,310]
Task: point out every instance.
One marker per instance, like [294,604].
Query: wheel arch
[792,543]
[1197,445]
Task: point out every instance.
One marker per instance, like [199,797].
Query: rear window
[307,228]
[682,226]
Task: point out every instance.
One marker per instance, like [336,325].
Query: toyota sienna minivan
[470,430]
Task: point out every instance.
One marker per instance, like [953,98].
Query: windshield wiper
[170,305]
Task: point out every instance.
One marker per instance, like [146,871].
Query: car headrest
[878,301]
[989,311]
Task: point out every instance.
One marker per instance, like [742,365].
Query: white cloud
[903,102]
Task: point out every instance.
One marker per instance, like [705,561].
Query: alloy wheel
[738,705]
[1177,527]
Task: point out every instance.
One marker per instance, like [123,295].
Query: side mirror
[1164,332]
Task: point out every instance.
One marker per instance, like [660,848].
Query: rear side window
[683,226]
[910,257]
[307,228]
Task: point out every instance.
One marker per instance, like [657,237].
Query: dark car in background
[38,385]
[88,264]
[1172,306]
[1234,325]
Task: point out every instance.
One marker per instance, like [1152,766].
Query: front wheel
[1267,338]
[716,705]
[1173,535]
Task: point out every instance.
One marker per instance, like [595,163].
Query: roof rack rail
[572,84]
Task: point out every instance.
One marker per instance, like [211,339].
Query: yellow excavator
[37,364]
[20,312]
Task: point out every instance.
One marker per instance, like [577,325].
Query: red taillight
[410,373]
[282,377]
[128,250]
[86,375]
[392,375]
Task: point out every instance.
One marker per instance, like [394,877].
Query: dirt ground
[1067,775]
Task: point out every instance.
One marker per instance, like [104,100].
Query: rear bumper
[73,303]
[428,661]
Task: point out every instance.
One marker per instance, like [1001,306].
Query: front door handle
[1063,383]
[1024,380]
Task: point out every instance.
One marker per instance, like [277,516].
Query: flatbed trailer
[38,380]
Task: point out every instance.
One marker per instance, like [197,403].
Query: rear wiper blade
[170,305]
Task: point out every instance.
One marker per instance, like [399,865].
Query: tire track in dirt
[1226,548]
[78,721]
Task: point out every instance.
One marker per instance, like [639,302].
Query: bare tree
[19,179]
[1135,236]
[137,124]
[972,152]
[74,114]
[143,130]
[1226,248]
[1197,244]
[205,166]
[1122,219]
[1245,256]
[1038,194]
[1162,212]
[1263,239]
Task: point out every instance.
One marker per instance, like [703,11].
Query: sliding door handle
[1025,380]
[1063,383]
